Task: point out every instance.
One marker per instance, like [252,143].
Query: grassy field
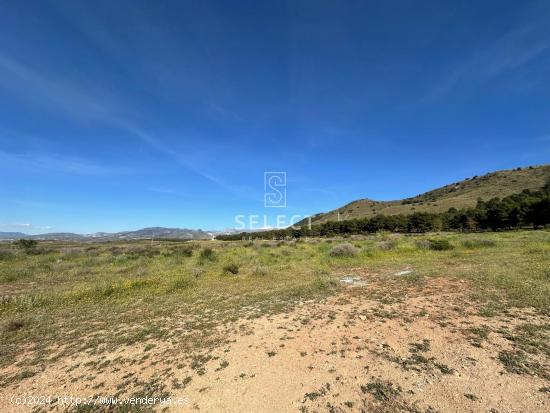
[61,299]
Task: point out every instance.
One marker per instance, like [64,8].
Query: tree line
[527,208]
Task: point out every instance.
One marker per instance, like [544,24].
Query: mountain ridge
[143,233]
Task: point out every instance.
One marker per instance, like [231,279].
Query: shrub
[344,250]
[207,254]
[196,272]
[231,268]
[70,252]
[440,245]
[186,251]
[260,270]
[422,244]
[180,284]
[14,325]
[6,255]
[39,251]
[26,244]
[434,244]
[387,245]
[142,252]
[478,243]
[116,250]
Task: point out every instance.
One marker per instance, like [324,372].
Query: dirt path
[421,349]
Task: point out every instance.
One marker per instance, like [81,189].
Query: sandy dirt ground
[412,349]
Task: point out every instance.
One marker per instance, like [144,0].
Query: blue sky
[126,114]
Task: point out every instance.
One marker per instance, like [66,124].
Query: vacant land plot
[385,323]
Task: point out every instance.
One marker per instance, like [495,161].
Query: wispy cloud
[510,52]
[175,155]
[47,90]
[71,99]
[57,163]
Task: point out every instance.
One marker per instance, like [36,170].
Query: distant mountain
[12,235]
[460,194]
[145,233]
[63,236]
[160,232]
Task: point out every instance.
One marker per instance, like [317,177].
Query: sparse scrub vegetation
[26,244]
[207,254]
[381,391]
[387,245]
[260,270]
[6,255]
[434,244]
[14,325]
[344,250]
[162,295]
[180,284]
[184,251]
[478,243]
[231,268]
[196,272]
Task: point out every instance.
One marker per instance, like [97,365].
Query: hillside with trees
[528,208]
[462,194]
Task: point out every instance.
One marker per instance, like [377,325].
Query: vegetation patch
[344,250]
[474,243]
[207,254]
[434,244]
[518,362]
[231,268]
[381,390]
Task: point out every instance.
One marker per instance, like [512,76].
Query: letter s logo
[274,189]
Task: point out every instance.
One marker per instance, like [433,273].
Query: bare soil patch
[377,346]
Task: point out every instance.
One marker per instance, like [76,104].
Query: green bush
[440,245]
[179,284]
[207,254]
[434,244]
[478,243]
[185,251]
[422,244]
[344,250]
[26,244]
[387,245]
[231,268]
